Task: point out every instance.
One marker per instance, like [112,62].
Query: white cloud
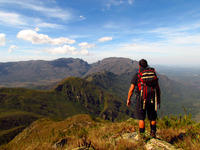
[130,2]
[11,18]
[113,25]
[85,45]
[12,47]
[39,6]
[109,3]
[66,49]
[51,12]
[84,52]
[2,39]
[82,18]
[175,30]
[37,29]
[179,35]
[16,19]
[186,39]
[48,25]
[105,39]
[35,38]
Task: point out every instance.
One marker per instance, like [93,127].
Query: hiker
[147,93]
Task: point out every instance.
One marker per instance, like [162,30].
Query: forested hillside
[19,106]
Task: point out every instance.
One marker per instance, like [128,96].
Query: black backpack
[147,84]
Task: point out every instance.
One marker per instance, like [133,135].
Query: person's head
[143,63]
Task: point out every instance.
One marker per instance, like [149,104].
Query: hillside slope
[175,97]
[70,97]
[84,132]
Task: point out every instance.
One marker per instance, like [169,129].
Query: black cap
[143,63]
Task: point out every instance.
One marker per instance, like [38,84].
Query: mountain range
[33,73]
[112,74]
[66,87]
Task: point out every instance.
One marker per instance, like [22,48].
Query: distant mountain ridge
[116,65]
[40,72]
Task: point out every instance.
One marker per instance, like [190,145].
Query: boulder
[156,144]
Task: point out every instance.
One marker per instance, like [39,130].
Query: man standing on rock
[147,92]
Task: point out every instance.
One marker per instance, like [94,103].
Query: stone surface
[134,137]
[156,144]
[151,144]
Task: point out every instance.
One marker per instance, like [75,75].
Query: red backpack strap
[139,80]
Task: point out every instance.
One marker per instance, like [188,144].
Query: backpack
[147,83]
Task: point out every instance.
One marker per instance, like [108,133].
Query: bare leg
[141,126]
[153,122]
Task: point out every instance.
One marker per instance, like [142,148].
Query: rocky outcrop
[133,137]
[156,144]
[150,143]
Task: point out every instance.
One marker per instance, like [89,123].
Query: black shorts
[140,113]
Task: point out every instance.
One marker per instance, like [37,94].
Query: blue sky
[165,32]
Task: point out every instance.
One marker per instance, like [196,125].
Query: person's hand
[128,103]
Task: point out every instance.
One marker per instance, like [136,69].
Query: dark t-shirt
[134,79]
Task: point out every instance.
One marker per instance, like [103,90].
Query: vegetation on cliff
[19,106]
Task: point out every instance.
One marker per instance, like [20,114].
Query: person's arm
[130,93]
[158,93]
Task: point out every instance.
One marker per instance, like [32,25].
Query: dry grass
[85,131]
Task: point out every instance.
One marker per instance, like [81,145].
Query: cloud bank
[11,18]
[36,38]
[85,45]
[12,47]
[66,49]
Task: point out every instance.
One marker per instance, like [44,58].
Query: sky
[165,32]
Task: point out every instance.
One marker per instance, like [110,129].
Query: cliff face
[80,91]
[95,100]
